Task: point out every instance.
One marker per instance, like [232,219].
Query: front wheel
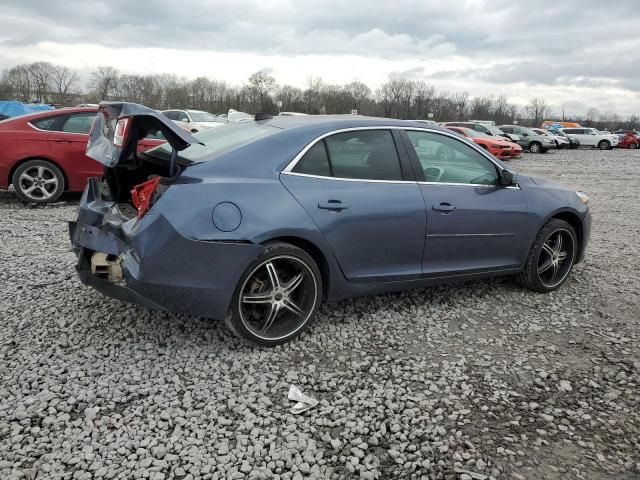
[277,297]
[551,258]
[38,181]
[604,145]
[535,147]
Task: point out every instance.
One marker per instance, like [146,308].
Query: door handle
[444,207]
[62,141]
[335,205]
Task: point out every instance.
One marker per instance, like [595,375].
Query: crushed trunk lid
[120,125]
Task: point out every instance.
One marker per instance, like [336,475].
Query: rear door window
[358,155]
[315,161]
[78,123]
[364,154]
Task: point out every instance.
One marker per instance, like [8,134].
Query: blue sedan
[259,222]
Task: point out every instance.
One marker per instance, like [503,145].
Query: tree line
[397,98]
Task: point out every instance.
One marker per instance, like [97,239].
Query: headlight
[547,140]
[584,198]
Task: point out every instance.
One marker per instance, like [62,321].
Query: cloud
[586,49]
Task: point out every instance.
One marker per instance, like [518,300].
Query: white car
[561,142]
[194,120]
[590,137]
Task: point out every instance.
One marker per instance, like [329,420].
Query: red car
[42,155]
[628,140]
[499,147]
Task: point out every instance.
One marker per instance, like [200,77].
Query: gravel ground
[469,381]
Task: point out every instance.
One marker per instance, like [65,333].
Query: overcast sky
[577,53]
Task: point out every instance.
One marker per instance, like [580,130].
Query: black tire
[535,276]
[38,181]
[254,302]
[535,147]
[633,146]
[604,145]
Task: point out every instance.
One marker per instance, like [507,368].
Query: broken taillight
[122,132]
[142,194]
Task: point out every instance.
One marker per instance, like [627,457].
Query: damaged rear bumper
[160,268]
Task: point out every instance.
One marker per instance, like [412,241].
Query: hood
[141,120]
[543,182]
[209,124]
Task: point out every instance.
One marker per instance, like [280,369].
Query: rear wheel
[551,257]
[633,146]
[604,145]
[535,147]
[277,297]
[38,181]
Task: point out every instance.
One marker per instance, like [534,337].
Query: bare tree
[311,94]
[538,110]
[291,98]
[41,74]
[358,92]
[104,82]
[17,81]
[460,100]
[63,80]
[591,116]
[261,84]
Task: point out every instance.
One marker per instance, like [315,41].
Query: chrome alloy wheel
[38,183]
[278,297]
[556,258]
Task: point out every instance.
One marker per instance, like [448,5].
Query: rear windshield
[218,140]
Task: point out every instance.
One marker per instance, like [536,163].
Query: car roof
[49,113]
[338,122]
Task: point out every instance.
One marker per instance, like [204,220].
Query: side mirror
[506,178]
[525,134]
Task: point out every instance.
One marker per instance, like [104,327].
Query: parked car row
[43,155]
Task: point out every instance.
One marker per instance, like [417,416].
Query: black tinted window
[446,160]
[47,123]
[315,161]
[364,154]
[170,115]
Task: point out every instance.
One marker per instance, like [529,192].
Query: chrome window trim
[323,177]
[55,131]
[291,165]
[474,185]
[61,131]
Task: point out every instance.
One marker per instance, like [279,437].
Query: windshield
[217,140]
[493,129]
[202,116]
[476,134]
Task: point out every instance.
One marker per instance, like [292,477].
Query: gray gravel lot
[452,382]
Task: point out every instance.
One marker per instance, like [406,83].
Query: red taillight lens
[142,194]
[122,132]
